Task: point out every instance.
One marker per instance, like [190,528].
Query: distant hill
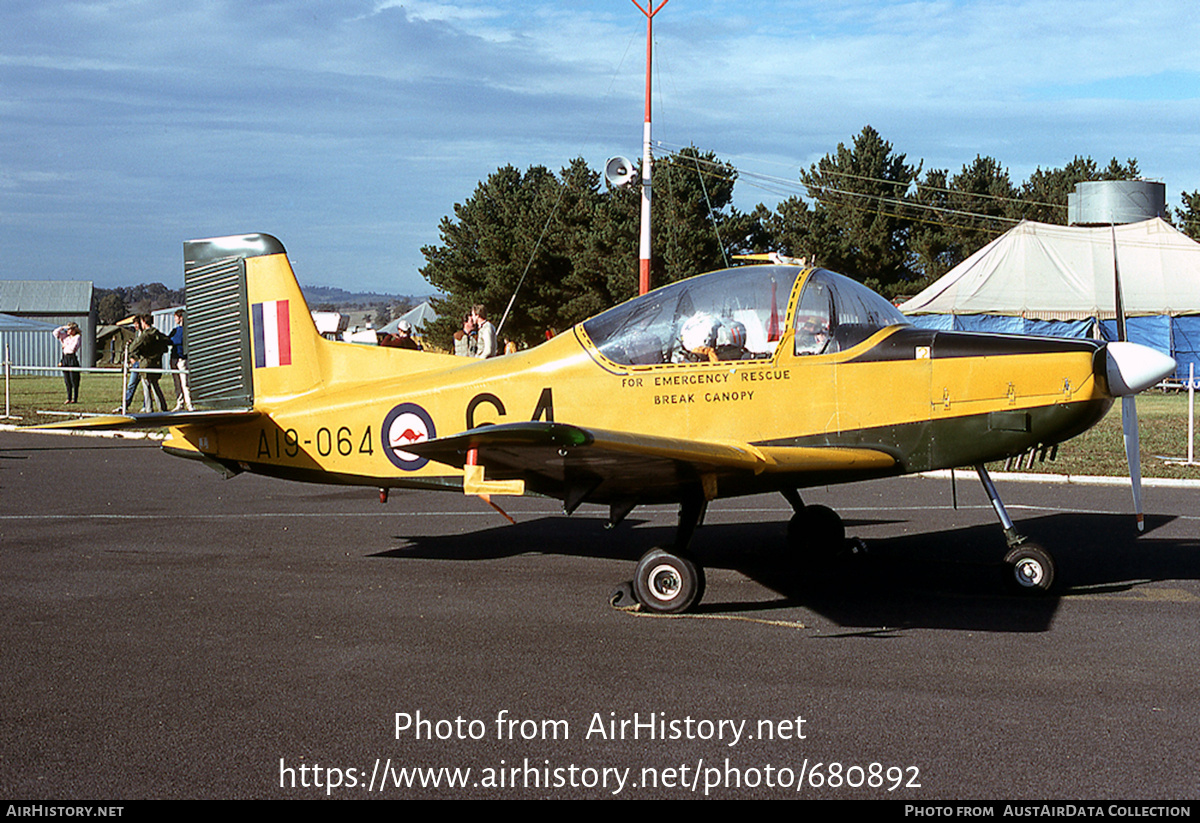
[361,307]
[115,304]
[341,297]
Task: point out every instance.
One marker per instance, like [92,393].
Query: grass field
[1100,451]
[98,394]
[1162,424]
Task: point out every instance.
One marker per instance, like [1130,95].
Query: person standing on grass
[70,338]
[183,393]
[148,349]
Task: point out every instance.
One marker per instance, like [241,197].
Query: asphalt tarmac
[168,633]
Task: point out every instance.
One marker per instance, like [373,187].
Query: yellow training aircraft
[754,379]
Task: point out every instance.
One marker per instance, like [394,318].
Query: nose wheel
[1029,569]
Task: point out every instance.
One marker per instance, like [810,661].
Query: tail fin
[248,333]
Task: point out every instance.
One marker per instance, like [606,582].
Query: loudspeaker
[619,172]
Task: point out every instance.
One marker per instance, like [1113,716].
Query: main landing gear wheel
[1030,569]
[666,583]
[818,531]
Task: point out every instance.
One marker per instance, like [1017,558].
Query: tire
[818,531]
[667,584]
[1029,569]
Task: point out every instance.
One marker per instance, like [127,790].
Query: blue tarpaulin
[1001,324]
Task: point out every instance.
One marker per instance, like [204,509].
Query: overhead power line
[783,185]
[871,203]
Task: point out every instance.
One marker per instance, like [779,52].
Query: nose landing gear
[1028,568]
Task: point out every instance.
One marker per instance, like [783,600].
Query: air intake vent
[217,333]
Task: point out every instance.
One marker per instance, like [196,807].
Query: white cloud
[442,12]
[163,115]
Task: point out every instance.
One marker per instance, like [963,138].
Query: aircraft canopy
[738,314]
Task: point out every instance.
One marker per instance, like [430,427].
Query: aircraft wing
[152,420]
[563,460]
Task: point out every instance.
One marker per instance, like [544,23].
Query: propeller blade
[1133,454]
[1118,300]
[1128,373]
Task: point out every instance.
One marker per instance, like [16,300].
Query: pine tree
[571,245]
[860,222]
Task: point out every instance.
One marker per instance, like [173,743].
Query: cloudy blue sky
[349,128]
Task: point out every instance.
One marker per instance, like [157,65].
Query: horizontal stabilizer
[152,420]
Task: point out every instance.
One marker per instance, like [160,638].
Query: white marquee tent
[416,317]
[1058,280]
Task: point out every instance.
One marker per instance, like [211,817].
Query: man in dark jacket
[148,349]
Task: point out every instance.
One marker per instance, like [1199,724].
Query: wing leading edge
[600,466]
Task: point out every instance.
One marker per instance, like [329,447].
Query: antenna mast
[644,246]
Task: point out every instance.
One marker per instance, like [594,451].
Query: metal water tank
[1103,202]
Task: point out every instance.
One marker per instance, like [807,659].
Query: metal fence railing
[1191,385]
[126,370]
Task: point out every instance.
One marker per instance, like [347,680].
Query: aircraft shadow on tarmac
[944,579]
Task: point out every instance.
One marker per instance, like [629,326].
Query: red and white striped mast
[644,246]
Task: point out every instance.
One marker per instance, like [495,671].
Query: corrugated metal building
[28,342]
[55,302]
[164,319]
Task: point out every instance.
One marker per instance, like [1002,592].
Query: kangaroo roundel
[404,425]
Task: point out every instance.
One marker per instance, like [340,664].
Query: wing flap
[824,458]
